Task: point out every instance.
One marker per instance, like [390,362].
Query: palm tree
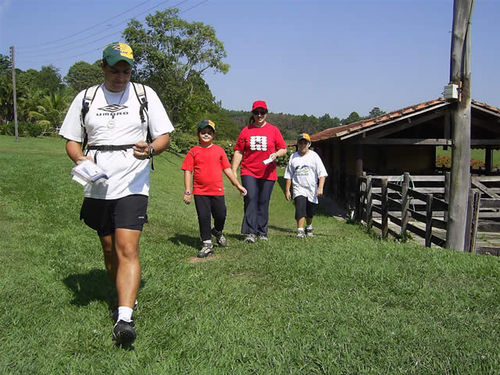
[50,111]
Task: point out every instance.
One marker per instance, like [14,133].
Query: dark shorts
[304,208]
[104,216]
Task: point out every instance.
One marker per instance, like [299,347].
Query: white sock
[300,230]
[125,313]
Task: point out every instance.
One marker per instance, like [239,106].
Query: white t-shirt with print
[114,119]
[305,171]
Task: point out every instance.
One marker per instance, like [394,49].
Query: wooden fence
[419,205]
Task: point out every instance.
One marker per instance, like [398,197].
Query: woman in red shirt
[257,147]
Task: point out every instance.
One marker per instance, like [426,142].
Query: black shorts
[304,208]
[104,216]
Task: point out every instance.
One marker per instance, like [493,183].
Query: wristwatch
[187,192]
[151,151]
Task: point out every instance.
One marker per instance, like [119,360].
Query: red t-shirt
[256,144]
[207,164]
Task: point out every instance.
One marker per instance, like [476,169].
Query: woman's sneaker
[219,236]
[206,250]
[124,333]
[309,231]
[250,238]
[300,233]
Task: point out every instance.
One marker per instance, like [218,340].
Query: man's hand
[141,150]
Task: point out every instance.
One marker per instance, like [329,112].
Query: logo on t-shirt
[302,170]
[258,143]
[113,108]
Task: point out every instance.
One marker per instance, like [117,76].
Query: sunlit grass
[343,302]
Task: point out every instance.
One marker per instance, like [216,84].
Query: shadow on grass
[182,239]
[280,229]
[92,286]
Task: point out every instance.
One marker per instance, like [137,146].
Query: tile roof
[358,126]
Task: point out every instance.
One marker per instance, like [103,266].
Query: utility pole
[14,91]
[460,75]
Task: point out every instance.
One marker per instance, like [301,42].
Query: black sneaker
[124,333]
[114,313]
[309,232]
[206,250]
[221,239]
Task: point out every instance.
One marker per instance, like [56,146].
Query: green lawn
[477,154]
[343,302]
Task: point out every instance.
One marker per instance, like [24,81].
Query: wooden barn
[401,141]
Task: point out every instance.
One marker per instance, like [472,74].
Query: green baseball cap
[117,51]
[205,123]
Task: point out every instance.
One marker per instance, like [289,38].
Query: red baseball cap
[259,104]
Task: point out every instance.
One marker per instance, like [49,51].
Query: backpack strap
[88,97]
[140,92]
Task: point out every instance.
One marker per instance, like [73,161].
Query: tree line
[172,56]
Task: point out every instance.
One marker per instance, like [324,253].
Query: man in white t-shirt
[116,208]
[307,172]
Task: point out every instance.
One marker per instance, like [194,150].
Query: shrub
[24,129]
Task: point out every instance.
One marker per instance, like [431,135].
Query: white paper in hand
[267,161]
[87,173]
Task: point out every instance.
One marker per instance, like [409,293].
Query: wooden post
[461,119]
[475,221]
[447,182]
[385,213]
[488,160]
[14,96]
[405,203]
[428,221]
[368,218]
[468,232]
[360,200]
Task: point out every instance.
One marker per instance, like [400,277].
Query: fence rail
[419,205]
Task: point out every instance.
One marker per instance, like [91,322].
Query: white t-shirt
[305,171]
[114,119]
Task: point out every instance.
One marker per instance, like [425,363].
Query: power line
[60,48]
[84,30]
[63,48]
[61,51]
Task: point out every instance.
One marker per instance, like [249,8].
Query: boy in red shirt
[204,165]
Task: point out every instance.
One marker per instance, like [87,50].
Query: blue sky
[301,56]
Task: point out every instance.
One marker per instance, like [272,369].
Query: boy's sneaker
[301,233]
[124,332]
[219,236]
[263,237]
[250,238]
[309,231]
[206,250]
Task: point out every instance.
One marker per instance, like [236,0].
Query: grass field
[343,302]
[478,155]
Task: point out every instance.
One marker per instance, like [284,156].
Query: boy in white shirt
[308,174]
